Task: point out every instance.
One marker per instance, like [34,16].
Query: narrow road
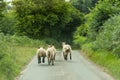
[76,69]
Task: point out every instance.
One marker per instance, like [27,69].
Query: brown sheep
[41,53]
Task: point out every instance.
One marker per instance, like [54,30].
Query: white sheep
[50,53]
[54,49]
[66,49]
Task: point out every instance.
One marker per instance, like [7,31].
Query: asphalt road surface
[76,69]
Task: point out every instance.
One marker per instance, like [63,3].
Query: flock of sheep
[50,53]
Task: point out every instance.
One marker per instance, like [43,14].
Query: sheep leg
[52,62]
[48,61]
[43,59]
[39,59]
[70,56]
[64,55]
[54,57]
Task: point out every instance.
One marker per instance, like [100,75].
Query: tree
[43,18]
[77,19]
[101,13]
[109,38]
[83,5]
[7,19]
[7,25]
[93,21]
[2,8]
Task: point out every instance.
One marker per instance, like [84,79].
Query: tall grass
[15,52]
[106,59]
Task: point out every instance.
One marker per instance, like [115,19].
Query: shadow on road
[59,60]
[43,64]
[71,61]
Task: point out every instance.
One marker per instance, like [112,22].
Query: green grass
[23,55]
[107,60]
[15,53]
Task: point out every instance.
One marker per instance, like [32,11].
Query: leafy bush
[87,48]
[50,41]
[109,39]
[6,58]
[79,40]
[15,52]
[108,61]
[46,19]
[7,24]
[98,16]
[25,41]
[8,67]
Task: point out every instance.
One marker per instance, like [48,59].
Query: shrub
[79,40]
[109,39]
[52,41]
[15,52]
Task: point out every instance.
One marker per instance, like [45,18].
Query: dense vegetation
[99,35]
[46,18]
[15,52]
[83,5]
[92,25]
[101,27]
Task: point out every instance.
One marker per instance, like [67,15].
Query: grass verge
[15,53]
[23,56]
[105,59]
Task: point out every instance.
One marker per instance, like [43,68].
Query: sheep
[66,49]
[50,53]
[41,52]
[54,49]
